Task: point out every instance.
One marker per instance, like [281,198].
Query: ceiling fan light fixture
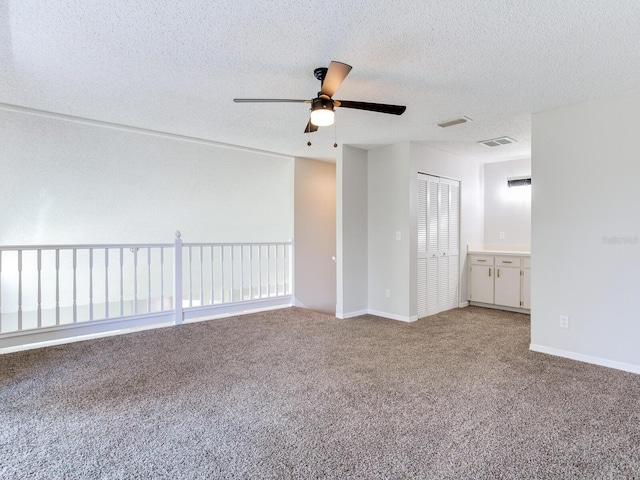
[322,112]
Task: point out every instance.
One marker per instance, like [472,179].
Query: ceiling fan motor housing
[321,104]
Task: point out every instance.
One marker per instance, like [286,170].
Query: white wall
[585,231]
[389,205]
[72,182]
[507,210]
[315,235]
[351,232]
[377,198]
[469,172]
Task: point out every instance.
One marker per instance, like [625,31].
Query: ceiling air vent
[454,121]
[497,142]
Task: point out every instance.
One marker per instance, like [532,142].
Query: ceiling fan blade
[310,128]
[336,73]
[269,100]
[373,107]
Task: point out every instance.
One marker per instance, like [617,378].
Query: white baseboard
[393,316]
[603,362]
[344,316]
[463,304]
[390,316]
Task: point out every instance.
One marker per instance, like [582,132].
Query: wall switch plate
[387,293]
[564,321]
[398,235]
[501,235]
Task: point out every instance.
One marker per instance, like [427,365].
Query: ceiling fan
[323,106]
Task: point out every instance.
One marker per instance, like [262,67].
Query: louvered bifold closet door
[438,244]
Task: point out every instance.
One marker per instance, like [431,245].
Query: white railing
[50,292]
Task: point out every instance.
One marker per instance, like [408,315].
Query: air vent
[497,142]
[518,181]
[454,121]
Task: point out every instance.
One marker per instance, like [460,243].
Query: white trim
[393,316]
[626,367]
[500,307]
[344,316]
[207,312]
[73,332]
[128,128]
[463,304]
[390,316]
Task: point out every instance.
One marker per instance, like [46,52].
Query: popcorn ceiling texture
[176,66]
[294,394]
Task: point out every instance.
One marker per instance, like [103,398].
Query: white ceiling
[175,66]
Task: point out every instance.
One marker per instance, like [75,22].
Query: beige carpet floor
[297,394]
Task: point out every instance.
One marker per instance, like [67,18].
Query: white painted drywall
[469,172]
[315,235]
[507,210]
[388,215]
[586,231]
[351,232]
[73,182]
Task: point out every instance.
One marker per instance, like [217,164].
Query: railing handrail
[84,246]
[235,244]
[95,246]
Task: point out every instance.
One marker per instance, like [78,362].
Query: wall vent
[497,142]
[454,121]
[518,181]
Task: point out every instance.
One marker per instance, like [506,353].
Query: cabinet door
[507,287]
[526,288]
[481,284]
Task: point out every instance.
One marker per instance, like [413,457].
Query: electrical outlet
[398,235]
[501,235]
[564,321]
[387,293]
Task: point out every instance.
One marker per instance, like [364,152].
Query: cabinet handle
[481,260]
[507,261]
[498,272]
[489,272]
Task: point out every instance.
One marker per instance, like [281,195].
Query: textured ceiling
[176,66]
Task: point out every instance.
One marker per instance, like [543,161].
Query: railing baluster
[39,288]
[232,276]
[148,279]
[135,281]
[19,290]
[259,271]
[161,279]
[190,285]
[211,294]
[121,283]
[75,286]
[57,286]
[241,273]
[201,278]
[106,283]
[221,274]
[276,268]
[90,284]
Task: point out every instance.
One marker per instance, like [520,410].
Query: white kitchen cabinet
[500,281]
[481,286]
[507,287]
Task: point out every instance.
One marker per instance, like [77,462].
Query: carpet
[293,393]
